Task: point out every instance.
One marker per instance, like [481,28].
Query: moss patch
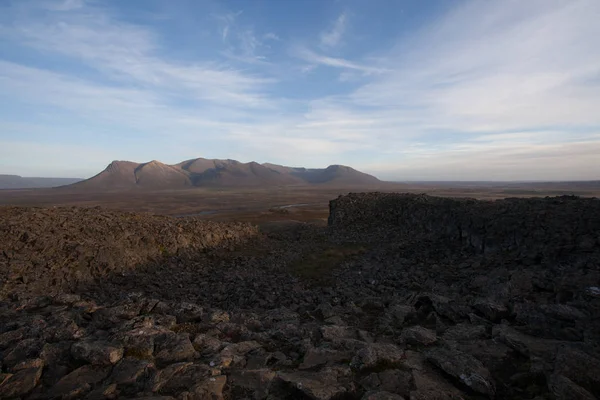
[319,265]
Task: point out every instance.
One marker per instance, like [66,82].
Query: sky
[403,89]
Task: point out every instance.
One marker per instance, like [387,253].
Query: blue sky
[404,89]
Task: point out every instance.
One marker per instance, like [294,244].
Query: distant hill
[19,182]
[202,172]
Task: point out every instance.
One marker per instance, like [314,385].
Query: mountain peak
[214,172]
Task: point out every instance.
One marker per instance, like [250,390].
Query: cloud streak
[488,90]
[333,36]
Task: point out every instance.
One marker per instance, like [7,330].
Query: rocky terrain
[400,297]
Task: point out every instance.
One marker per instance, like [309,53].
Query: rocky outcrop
[49,250]
[540,228]
[354,311]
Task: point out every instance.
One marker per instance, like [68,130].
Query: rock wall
[540,227]
[57,248]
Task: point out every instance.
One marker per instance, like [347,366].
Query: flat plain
[284,203]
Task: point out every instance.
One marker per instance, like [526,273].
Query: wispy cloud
[334,62]
[333,36]
[489,90]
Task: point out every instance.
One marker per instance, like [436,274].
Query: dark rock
[579,367]
[381,396]
[79,382]
[97,352]
[464,368]
[23,381]
[378,355]
[321,356]
[322,385]
[417,335]
[172,348]
[565,389]
[465,332]
[257,381]
[491,310]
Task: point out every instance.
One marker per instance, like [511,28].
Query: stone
[377,355]
[80,381]
[184,378]
[25,349]
[171,348]
[430,385]
[381,396]
[23,381]
[333,332]
[97,352]
[129,371]
[396,381]
[207,344]
[400,313]
[210,388]
[163,376]
[465,332]
[565,389]
[525,344]
[315,357]
[579,367]
[491,310]
[316,385]
[417,335]
[257,381]
[218,316]
[464,368]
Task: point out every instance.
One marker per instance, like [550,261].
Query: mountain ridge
[202,172]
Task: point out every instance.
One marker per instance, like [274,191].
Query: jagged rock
[565,389]
[579,367]
[189,312]
[417,335]
[429,385]
[163,376]
[316,385]
[381,396]
[233,354]
[210,388]
[320,356]
[80,381]
[378,355]
[97,352]
[464,332]
[392,380]
[525,344]
[171,348]
[23,381]
[400,313]
[25,349]
[334,332]
[218,316]
[258,381]
[207,344]
[491,310]
[130,371]
[466,369]
[10,337]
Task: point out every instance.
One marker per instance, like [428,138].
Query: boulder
[464,368]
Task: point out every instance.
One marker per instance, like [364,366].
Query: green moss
[318,266]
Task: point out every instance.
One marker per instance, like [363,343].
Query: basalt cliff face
[401,297]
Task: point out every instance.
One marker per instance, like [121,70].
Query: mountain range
[19,182]
[202,172]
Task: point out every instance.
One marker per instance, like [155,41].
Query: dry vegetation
[263,205]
